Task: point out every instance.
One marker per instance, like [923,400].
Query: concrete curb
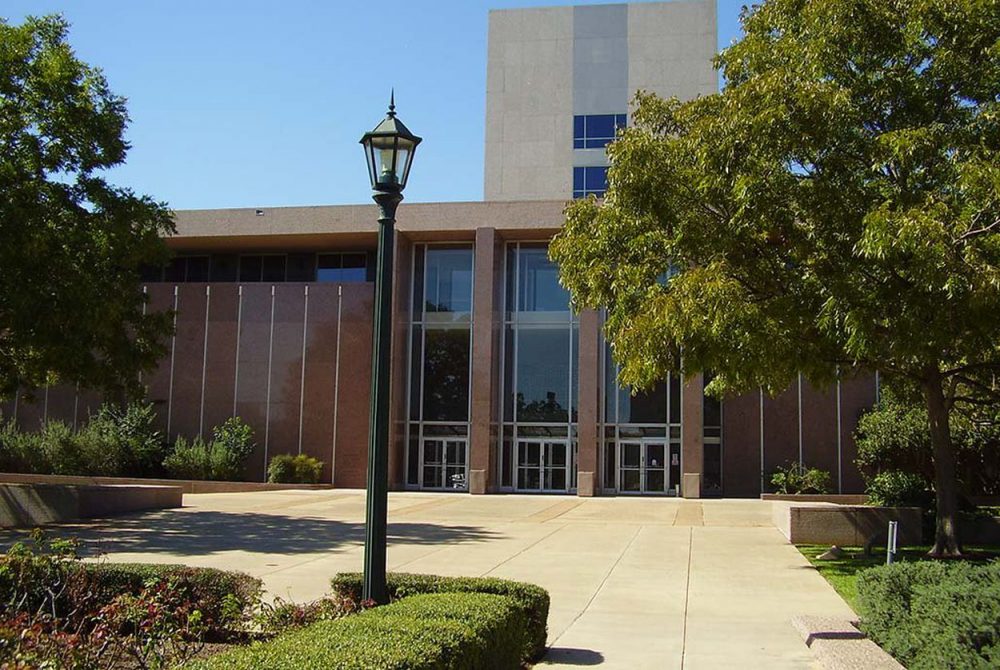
[839,645]
[26,505]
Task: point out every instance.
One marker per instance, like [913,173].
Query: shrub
[894,488]
[459,631]
[531,600]
[225,598]
[279,616]
[797,478]
[235,438]
[223,458]
[300,469]
[933,615]
[117,441]
[21,452]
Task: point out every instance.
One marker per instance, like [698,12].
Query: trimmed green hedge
[532,600]
[223,596]
[932,615]
[440,631]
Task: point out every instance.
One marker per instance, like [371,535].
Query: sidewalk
[635,582]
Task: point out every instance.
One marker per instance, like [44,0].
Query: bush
[894,488]
[895,436]
[225,598]
[459,631]
[22,452]
[235,438]
[531,600]
[116,441]
[221,459]
[933,615]
[797,478]
[300,469]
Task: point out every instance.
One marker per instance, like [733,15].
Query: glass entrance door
[543,465]
[444,464]
[642,467]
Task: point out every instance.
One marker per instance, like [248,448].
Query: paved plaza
[635,582]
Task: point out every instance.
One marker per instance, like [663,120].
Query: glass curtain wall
[437,455]
[539,387]
[642,435]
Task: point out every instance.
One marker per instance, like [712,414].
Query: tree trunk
[946,542]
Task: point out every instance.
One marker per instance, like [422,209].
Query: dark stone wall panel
[741,445]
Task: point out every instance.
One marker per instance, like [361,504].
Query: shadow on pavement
[208,532]
[571,656]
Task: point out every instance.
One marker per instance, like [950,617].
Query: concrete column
[589,366]
[402,297]
[692,429]
[486,324]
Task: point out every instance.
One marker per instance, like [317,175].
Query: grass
[843,572]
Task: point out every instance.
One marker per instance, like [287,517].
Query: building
[496,385]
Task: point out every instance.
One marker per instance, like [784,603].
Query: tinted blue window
[341,268]
[596,131]
[596,179]
[590,181]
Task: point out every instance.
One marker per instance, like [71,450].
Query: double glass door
[543,465]
[643,466]
[445,463]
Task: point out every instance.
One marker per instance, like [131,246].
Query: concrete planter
[28,505]
[186,485]
[836,498]
[845,525]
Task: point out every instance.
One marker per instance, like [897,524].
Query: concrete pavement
[635,582]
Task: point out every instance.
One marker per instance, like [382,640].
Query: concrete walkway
[635,582]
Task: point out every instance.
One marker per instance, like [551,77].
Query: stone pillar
[486,326]
[588,416]
[692,424]
[401,301]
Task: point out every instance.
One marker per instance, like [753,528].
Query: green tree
[834,209]
[70,242]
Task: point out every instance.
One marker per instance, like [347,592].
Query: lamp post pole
[378,429]
[389,150]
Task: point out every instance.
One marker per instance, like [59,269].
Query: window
[590,181]
[596,131]
[187,268]
[342,267]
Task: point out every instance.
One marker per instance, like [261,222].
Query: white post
[890,545]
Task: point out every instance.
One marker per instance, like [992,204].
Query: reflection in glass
[542,374]
[448,280]
[538,277]
[446,374]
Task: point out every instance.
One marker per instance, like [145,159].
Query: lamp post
[389,150]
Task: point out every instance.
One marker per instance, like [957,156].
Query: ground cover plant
[531,600]
[931,614]
[57,611]
[443,631]
[842,573]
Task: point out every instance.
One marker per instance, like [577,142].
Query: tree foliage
[70,242]
[835,208]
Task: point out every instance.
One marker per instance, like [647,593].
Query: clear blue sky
[261,103]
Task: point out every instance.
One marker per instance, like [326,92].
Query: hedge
[223,596]
[440,631]
[931,614]
[532,600]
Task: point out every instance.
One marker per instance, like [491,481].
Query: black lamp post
[389,151]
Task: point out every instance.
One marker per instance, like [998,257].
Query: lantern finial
[392,103]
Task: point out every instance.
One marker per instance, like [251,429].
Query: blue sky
[261,103]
